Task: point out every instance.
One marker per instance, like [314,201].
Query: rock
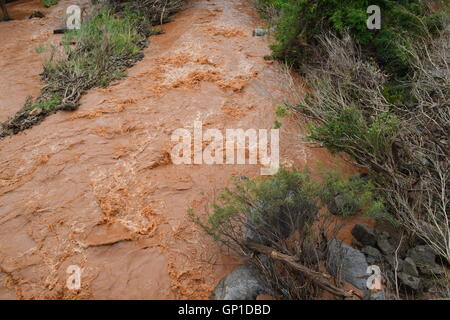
[244,283]
[406,266]
[385,246]
[364,234]
[384,235]
[36,14]
[260,32]
[409,267]
[410,282]
[378,295]
[348,263]
[425,260]
[374,256]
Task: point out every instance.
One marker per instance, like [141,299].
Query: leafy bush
[271,208]
[398,133]
[279,214]
[301,21]
[357,195]
[268,210]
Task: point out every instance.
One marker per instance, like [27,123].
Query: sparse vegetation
[93,56]
[380,96]
[404,146]
[49,3]
[280,214]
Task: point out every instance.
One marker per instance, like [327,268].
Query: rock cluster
[412,264]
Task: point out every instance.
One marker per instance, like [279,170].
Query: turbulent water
[96,187]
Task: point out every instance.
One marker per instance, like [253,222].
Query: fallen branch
[321,279]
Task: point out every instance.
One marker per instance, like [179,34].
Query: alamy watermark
[73,282]
[374,20]
[73,13]
[236,146]
[374,282]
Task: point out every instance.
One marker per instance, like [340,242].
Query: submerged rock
[260,32]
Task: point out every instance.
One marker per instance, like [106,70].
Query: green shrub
[301,21]
[267,210]
[95,55]
[272,208]
[357,195]
[349,128]
[49,3]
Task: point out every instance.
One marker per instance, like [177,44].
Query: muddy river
[96,187]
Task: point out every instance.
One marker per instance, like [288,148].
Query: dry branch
[321,279]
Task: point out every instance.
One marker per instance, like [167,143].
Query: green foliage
[102,48]
[403,21]
[285,202]
[266,203]
[47,104]
[356,195]
[342,131]
[49,3]
[277,124]
[40,49]
[95,55]
[281,111]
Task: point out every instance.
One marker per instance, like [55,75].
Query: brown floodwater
[96,187]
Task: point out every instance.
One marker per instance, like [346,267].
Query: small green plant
[281,111]
[277,124]
[49,3]
[354,195]
[40,49]
[349,128]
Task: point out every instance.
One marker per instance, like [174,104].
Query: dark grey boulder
[425,259]
[409,267]
[373,255]
[364,234]
[378,295]
[244,283]
[385,246]
[409,281]
[347,263]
